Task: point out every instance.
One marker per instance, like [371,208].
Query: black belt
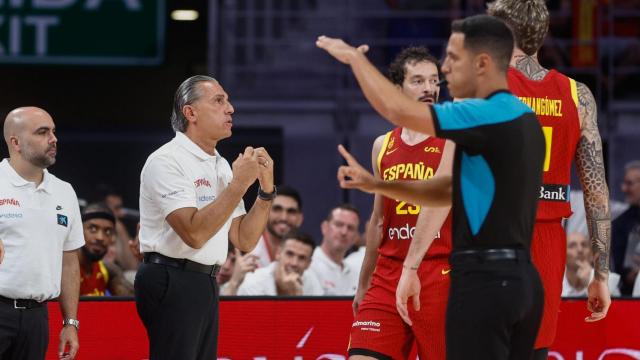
[22,304]
[184,264]
[482,255]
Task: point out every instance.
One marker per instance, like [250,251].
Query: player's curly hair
[528,19]
[410,55]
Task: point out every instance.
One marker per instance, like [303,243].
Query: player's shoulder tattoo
[587,110]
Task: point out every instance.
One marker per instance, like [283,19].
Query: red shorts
[549,255]
[379,331]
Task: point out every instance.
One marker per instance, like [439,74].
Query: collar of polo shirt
[193,148]
[18,181]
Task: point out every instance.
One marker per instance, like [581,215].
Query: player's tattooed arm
[530,67]
[590,165]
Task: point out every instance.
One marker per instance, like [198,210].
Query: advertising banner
[318,329]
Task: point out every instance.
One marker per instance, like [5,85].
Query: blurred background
[106,70]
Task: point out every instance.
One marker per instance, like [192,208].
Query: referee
[496,298]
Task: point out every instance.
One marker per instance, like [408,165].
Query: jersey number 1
[548,135]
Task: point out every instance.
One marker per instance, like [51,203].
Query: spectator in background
[579,269]
[286,275]
[285,215]
[233,271]
[626,230]
[339,232]
[97,277]
[113,199]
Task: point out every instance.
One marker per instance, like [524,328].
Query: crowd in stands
[289,262]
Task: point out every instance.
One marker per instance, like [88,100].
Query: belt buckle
[213,271]
[15,305]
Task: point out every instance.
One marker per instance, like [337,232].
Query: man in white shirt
[579,271]
[190,207]
[339,232]
[286,276]
[41,230]
[285,215]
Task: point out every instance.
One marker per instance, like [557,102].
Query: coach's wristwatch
[267,196]
[72,322]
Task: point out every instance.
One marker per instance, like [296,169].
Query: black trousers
[24,333]
[179,309]
[494,309]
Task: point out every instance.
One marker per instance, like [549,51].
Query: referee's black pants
[494,309]
[179,309]
[24,333]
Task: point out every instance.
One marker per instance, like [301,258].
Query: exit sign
[113,32]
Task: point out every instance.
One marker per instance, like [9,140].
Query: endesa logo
[405,232]
[206,198]
[13,202]
[402,233]
[202,182]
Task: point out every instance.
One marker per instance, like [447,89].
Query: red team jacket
[399,161]
[94,284]
[555,102]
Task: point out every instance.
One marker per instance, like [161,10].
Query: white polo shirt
[262,252]
[263,282]
[355,260]
[335,279]
[181,175]
[36,225]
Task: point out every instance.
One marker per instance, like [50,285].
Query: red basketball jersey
[94,284]
[554,99]
[399,161]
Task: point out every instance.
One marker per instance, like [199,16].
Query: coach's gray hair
[632,165]
[188,92]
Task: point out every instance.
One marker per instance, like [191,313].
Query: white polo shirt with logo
[335,279]
[182,175]
[37,224]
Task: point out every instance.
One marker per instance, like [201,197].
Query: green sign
[118,32]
